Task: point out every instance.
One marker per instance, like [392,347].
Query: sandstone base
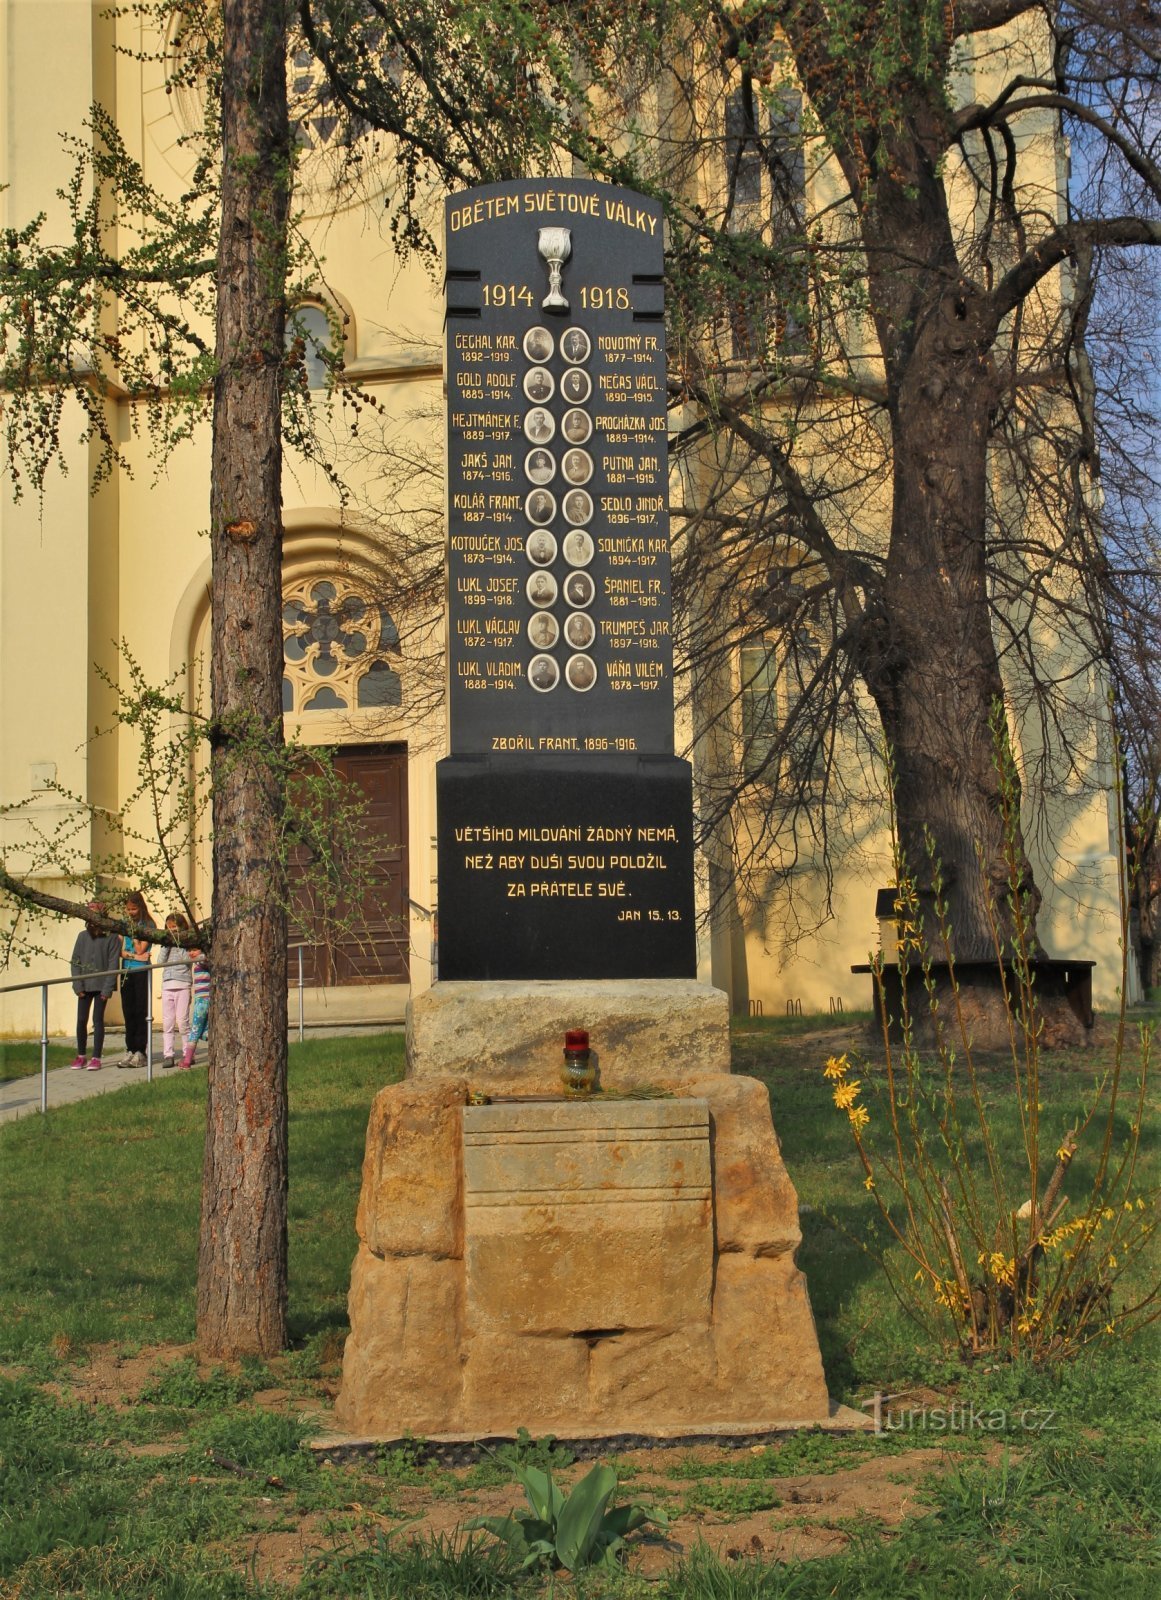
[576,1267]
[501,1034]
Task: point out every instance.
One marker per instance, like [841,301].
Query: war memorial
[573,1217]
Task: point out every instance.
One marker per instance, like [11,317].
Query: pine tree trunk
[242,1278]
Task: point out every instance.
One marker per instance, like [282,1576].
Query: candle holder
[579,1073]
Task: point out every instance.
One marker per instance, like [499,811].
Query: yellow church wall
[133,563]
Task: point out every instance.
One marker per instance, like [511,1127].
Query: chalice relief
[555,247]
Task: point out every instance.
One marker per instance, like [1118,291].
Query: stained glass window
[335,639]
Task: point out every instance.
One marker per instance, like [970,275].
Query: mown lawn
[20,1059]
[163,1481]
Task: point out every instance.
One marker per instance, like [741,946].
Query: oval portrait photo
[579,589]
[539,425]
[575,386]
[578,507]
[578,548]
[543,673]
[543,630]
[539,385]
[541,548]
[540,506]
[538,345]
[581,673]
[580,630]
[540,466]
[575,346]
[541,588]
[577,427]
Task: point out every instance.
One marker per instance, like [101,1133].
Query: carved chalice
[555,245]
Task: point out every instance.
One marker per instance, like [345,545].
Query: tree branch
[980,16]
[194,939]
[1020,280]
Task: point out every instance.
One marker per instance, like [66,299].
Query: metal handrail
[45,984]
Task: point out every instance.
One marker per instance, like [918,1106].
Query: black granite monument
[564,818]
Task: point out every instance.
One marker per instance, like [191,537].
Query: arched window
[336,643]
[311,324]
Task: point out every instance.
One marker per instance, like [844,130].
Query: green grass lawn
[22,1060]
[100,1203]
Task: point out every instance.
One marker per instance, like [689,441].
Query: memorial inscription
[558,564]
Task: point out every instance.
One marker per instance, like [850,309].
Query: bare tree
[881,283]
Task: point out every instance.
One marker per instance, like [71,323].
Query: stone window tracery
[337,649]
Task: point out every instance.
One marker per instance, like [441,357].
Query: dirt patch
[803,1516]
[815,1515]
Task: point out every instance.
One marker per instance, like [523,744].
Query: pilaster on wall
[58,554]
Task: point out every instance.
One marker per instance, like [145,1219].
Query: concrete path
[20,1097]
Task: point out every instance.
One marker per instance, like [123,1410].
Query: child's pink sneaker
[94,1065]
[187,1059]
[77,1063]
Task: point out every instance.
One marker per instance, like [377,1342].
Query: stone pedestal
[578,1267]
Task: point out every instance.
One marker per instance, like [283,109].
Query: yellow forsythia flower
[858,1117]
[846,1094]
[868,1182]
[836,1067]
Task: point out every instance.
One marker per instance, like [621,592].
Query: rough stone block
[765,1344]
[411,1199]
[642,1031]
[755,1206]
[511,1382]
[654,1378]
[563,1202]
[402,1369]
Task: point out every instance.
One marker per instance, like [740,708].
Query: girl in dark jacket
[94,969]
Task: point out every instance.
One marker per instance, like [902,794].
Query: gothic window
[765,170]
[777,689]
[340,649]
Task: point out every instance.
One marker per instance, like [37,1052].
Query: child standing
[94,969]
[175,989]
[201,1008]
[136,976]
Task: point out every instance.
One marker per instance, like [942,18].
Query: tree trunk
[937,678]
[242,1278]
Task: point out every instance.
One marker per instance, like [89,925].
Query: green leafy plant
[574,1530]
[1013,1261]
